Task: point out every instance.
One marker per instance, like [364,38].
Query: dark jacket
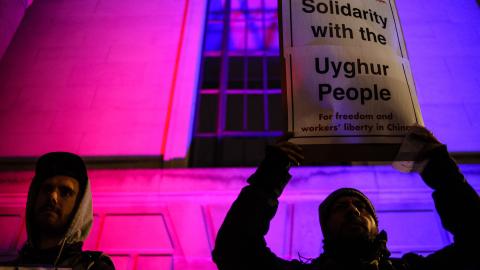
[240,242]
[71,256]
[68,253]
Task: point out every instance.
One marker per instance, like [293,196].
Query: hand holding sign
[291,150]
[415,150]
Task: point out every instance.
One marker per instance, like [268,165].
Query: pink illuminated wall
[11,14]
[101,78]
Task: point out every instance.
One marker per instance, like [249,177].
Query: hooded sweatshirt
[68,253]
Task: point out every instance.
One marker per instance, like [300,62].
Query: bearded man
[348,219]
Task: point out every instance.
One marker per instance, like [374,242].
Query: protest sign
[348,85]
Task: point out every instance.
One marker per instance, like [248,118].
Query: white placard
[347,75]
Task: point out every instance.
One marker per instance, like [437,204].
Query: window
[239,105]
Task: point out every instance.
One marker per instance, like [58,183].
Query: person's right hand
[291,150]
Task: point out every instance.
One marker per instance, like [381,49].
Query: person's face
[55,202]
[350,220]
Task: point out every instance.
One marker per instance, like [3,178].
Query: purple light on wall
[443,48]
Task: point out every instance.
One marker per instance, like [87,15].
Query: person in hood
[348,221]
[59,216]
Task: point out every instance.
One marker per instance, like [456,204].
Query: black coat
[70,256]
[240,242]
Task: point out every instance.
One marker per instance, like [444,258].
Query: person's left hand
[426,137]
[416,149]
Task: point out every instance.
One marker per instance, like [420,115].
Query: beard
[48,221]
[357,247]
[351,246]
[353,229]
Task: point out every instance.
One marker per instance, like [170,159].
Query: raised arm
[240,242]
[458,205]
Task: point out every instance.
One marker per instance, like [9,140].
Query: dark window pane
[276,120]
[236,72]
[211,73]
[232,152]
[213,40]
[208,111]
[273,72]
[253,34]
[255,73]
[241,151]
[254,151]
[255,120]
[204,152]
[234,120]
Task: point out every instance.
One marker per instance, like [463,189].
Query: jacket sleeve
[458,205]
[240,242]
[102,262]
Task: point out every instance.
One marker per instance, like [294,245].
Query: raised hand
[291,150]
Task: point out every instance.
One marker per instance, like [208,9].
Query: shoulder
[408,261]
[97,260]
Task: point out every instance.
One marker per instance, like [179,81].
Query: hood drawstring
[59,253]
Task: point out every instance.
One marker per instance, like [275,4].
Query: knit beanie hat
[324,210]
[61,163]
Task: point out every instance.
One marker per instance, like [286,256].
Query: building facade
[172,102]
